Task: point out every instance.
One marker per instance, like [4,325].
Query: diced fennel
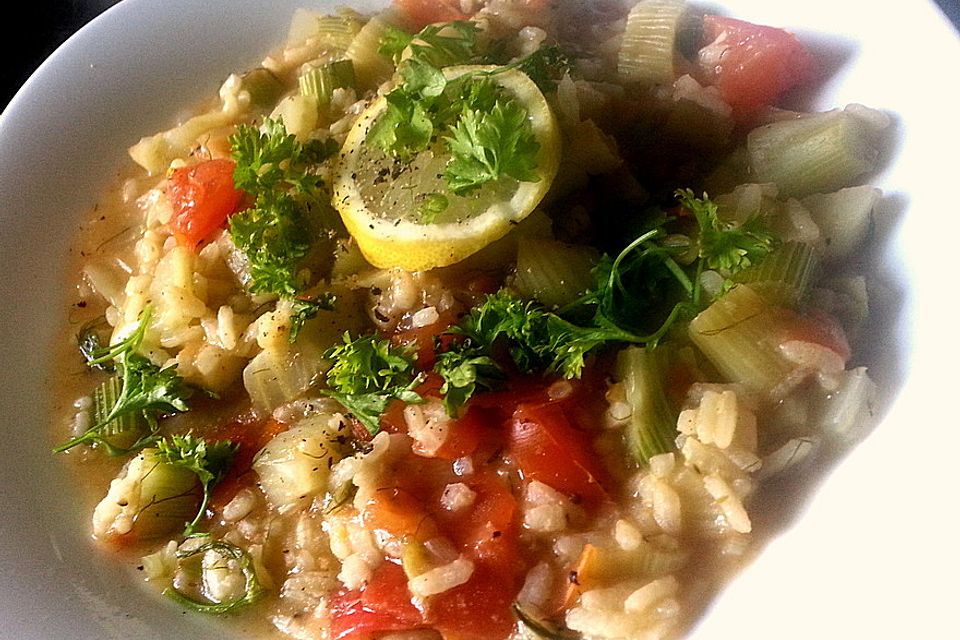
[649,41]
[299,114]
[604,566]
[155,153]
[651,429]
[817,153]
[844,218]
[371,68]
[205,602]
[282,371]
[848,412]
[554,273]
[784,276]
[295,465]
[740,334]
[319,81]
[147,500]
[335,32]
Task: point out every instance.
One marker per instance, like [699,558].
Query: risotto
[474,320]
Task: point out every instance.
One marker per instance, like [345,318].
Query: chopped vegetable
[203,197]
[276,233]
[651,429]
[147,391]
[253,590]
[752,65]
[208,460]
[368,373]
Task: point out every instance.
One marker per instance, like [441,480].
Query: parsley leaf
[208,460]
[465,367]
[393,41]
[274,236]
[146,391]
[406,126]
[275,233]
[440,45]
[487,145]
[537,340]
[448,44]
[368,373]
[545,66]
[726,246]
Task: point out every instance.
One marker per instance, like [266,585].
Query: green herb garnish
[253,590]
[147,391]
[276,232]
[368,373]
[208,460]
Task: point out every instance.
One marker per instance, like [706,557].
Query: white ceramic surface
[868,551]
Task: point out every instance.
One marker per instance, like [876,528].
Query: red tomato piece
[382,605]
[479,609]
[465,435]
[752,65]
[203,197]
[548,448]
[250,436]
[489,531]
[420,13]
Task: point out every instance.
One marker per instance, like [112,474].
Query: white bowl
[866,551]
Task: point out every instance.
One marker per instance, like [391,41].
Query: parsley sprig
[367,374]
[208,460]
[147,391]
[277,233]
[487,145]
[486,132]
[624,306]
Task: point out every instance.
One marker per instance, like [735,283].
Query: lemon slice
[381,200]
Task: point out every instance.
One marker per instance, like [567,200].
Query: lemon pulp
[381,199]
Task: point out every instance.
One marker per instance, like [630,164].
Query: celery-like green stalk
[653,422]
[785,275]
[554,273]
[263,86]
[320,81]
[123,432]
[817,153]
[740,333]
[649,40]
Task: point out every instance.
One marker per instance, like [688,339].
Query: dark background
[51,22]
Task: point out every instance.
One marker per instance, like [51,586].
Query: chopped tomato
[489,531]
[203,197]
[752,65]
[382,605]
[420,13]
[479,609]
[250,436]
[399,512]
[465,435]
[548,448]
